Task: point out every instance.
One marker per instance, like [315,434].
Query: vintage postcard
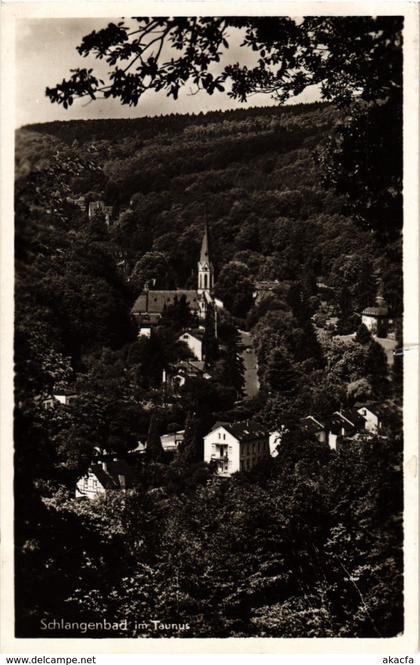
[210,327]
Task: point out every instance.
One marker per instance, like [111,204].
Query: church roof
[154,302]
[205,246]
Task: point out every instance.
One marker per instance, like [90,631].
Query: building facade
[234,447]
[376,320]
[194,340]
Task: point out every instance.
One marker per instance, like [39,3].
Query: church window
[205,280]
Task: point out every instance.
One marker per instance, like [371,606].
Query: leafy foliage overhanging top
[346,56]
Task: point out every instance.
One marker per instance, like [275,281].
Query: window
[224,437]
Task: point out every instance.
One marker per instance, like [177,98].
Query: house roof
[197,334]
[179,434]
[196,366]
[312,424]
[66,390]
[349,417]
[243,431]
[378,409]
[375,311]
[111,477]
[154,302]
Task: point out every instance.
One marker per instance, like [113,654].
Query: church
[150,304]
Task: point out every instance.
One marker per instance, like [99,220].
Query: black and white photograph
[209,326]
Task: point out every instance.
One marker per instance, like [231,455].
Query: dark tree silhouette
[154,449]
[363,335]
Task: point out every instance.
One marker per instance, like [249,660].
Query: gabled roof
[349,417]
[64,391]
[312,424]
[197,334]
[243,431]
[378,410]
[154,302]
[197,366]
[112,477]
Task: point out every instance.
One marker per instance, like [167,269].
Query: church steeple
[205,266]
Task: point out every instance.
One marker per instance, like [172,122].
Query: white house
[372,416]
[235,446]
[171,441]
[376,320]
[61,396]
[194,341]
[315,427]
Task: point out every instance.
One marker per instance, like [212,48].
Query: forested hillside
[324,556]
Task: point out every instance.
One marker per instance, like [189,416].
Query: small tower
[205,275]
[205,266]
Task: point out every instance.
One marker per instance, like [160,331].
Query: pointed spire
[205,246]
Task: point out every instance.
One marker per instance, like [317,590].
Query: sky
[46,51]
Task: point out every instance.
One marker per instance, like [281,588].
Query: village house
[263,288]
[187,369]
[344,423]
[374,416]
[315,427]
[235,447]
[108,474]
[376,320]
[80,202]
[96,207]
[170,441]
[64,396]
[194,340]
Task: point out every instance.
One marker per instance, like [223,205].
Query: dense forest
[304,545]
